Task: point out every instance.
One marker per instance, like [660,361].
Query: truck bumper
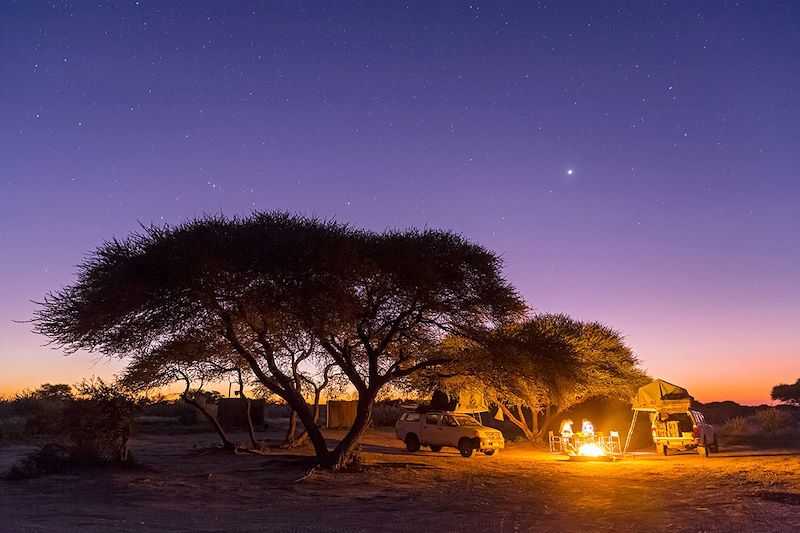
[488,444]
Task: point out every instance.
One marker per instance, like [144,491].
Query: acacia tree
[372,301]
[787,393]
[535,370]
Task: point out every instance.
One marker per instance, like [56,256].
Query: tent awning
[471,401]
[662,396]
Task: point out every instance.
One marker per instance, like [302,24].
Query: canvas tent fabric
[467,400]
[471,401]
[662,396]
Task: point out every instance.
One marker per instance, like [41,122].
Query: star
[569,172]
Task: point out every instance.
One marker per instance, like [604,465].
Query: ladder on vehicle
[630,431]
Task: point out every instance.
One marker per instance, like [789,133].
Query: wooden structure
[340,413]
[232,413]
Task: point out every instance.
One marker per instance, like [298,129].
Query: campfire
[591,450]
[586,444]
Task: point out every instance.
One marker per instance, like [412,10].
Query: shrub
[767,427]
[98,422]
[386,414]
[88,427]
[50,459]
[43,408]
[11,427]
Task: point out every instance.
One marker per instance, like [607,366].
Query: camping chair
[612,444]
[556,442]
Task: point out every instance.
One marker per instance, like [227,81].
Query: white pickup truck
[443,428]
[683,431]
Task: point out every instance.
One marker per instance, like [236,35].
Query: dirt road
[520,489]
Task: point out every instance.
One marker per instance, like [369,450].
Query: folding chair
[556,443]
[613,442]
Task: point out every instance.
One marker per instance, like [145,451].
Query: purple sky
[635,163]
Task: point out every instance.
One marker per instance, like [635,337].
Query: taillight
[696,431]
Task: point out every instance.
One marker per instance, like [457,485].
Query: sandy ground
[519,489]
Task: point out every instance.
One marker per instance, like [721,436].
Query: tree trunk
[338,457]
[549,416]
[303,437]
[226,443]
[299,405]
[288,442]
[295,441]
[250,430]
[521,423]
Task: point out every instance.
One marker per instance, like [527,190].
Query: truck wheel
[435,448]
[465,447]
[489,452]
[412,443]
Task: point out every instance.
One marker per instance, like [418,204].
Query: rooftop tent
[658,396]
[662,396]
[471,401]
[467,400]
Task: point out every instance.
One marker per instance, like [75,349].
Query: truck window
[466,420]
[448,420]
[412,417]
[433,420]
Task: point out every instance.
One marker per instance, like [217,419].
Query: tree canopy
[541,367]
[372,301]
[787,393]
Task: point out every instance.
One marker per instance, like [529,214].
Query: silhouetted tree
[59,391]
[372,301]
[787,393]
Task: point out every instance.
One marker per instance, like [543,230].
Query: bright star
[569,172]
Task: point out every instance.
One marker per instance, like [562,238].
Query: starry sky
[633,162]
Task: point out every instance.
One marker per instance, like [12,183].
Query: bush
[92,425]
[12,427]
[50,459]
[56,459]
[43,408]
[386,414]
[767,427]
[98,422]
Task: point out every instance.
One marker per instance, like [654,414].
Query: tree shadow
[405,464]
[788,498]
